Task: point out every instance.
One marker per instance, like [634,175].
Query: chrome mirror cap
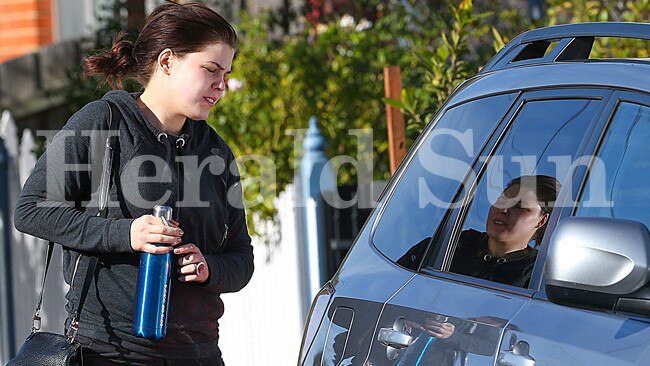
[603,255]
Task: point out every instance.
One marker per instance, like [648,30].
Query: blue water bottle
[152,296]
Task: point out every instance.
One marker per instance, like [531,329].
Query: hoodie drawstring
[180,143]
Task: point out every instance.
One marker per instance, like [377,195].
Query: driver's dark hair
[546,189]
[183,28]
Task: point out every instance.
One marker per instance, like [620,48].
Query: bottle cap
[163,212]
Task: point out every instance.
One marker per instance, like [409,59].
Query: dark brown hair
[183,28]
[546,189]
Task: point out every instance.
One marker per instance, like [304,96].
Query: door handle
[394,338]
[517,355]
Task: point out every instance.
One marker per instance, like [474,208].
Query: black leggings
[97,353]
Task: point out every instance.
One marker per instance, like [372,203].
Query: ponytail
[183,28]
[115,64]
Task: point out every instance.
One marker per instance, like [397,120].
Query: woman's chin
[199,115]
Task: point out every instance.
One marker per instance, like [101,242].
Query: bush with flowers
[333,70]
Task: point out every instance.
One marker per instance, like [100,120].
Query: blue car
[515,232]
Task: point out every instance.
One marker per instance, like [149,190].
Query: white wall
[73,19]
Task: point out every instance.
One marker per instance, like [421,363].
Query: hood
[126,102]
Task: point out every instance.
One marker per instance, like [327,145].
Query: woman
[502,253]
[167,155]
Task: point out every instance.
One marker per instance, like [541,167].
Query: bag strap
[112,144]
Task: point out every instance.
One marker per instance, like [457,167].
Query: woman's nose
[219,84]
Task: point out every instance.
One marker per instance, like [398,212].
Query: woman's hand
[191,264]
[148,230]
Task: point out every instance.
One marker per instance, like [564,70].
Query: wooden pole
[394,117]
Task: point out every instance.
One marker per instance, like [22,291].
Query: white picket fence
[262,324]
[28,252]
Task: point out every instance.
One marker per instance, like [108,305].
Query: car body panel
[563,336]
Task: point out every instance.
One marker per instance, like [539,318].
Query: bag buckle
[36,322]
[72,331]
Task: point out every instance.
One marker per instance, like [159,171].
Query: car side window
[421,197]
[513,199]
[617,185]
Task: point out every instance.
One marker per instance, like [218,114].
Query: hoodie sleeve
[55,202]
[231,270]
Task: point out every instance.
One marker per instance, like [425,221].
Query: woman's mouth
[498,222]
[210,100]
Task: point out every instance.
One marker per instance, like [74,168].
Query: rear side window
[618,184]
[424,192]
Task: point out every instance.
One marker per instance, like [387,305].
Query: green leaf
[442,52]
[395,103]
[498,40]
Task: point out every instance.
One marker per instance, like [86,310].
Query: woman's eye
[522,206]
[210,70]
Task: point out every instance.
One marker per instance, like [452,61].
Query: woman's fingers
[186,248]
[167,230]
[189,278]
[193,272]
[186,259]
[192,268]
[147,230]
[191,263]
[163,239]
[156,249]
[188,254]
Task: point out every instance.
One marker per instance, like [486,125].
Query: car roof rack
[574,42]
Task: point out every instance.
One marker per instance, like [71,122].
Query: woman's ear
[542,221]
[164,61]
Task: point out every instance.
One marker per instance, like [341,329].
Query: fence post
[7,347]
[316,178]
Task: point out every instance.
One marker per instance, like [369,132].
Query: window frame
[441,249]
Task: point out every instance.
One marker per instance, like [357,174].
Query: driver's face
[515,217]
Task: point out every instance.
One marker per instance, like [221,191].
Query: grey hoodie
[58,203]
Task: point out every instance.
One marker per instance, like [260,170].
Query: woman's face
[515,217]
[198,80]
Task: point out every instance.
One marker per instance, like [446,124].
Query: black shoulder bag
[45,348]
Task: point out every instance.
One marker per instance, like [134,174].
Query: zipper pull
[225,234]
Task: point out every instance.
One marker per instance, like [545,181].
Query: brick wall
[25,25]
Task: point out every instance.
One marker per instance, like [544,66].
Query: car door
[375,269]
[616,186]
[476,312]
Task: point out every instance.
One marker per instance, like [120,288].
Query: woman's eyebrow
[218,65]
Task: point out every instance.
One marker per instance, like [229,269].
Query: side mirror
[600,263]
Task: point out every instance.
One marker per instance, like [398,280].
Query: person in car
[519,216]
